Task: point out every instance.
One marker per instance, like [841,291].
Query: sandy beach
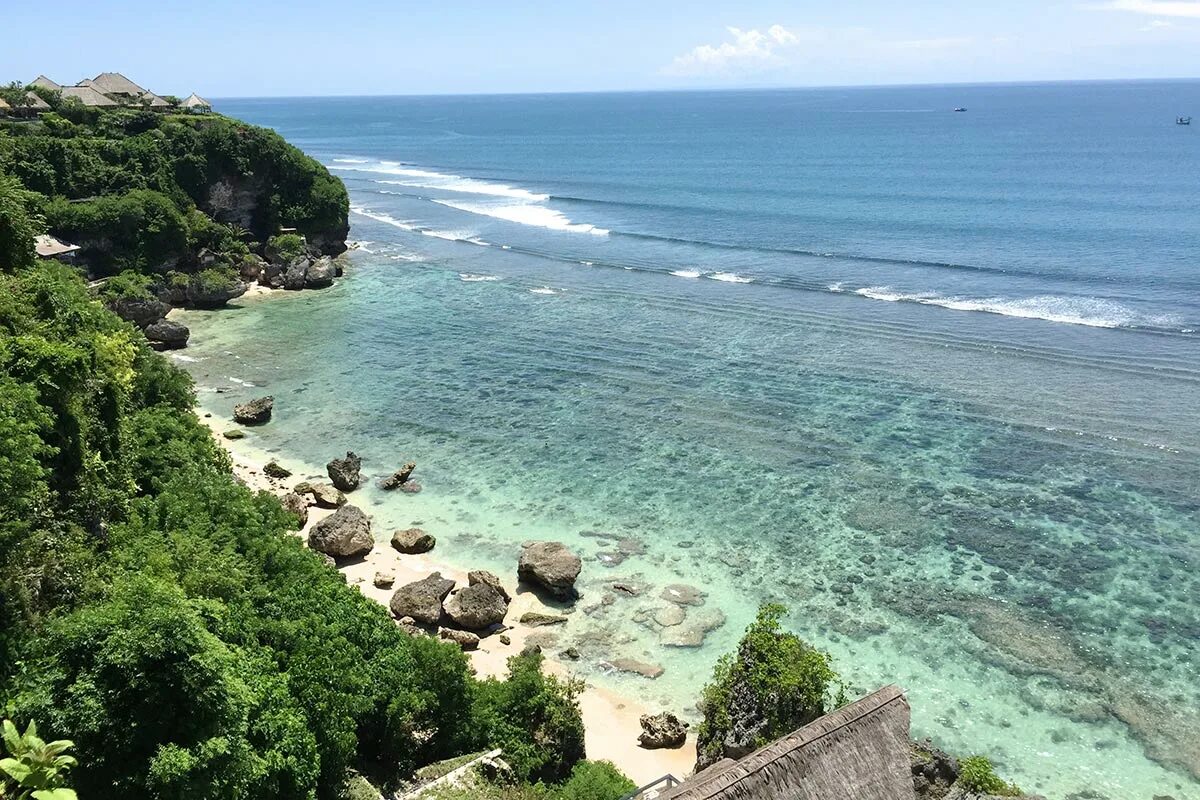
[611,721]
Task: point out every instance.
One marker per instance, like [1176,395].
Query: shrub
[18,225]
[286,246]
[594,780]
[781,683]
[977,774]
[127,285]
[34,768]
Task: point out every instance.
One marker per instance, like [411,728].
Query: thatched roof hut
[49,247]
[35,102]
[115,83]
[153,101]
[860,751]
[88,96]
[196,103]
[42,82]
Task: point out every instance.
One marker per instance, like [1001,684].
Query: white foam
[425,179]
[835,287]
[183,358]
[351,161]
[387,219]
[545,290]
[1090,311]
[729,277]
[241,382]
[686,273]
[538,216]
[467,277]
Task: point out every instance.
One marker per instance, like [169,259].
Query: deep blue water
[930,378]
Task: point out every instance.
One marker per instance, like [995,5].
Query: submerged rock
[669,616]
[692,632]
[683,595]
[399,477]
[345,473]
[636,667]
[551,566]
[663,730]
[413,541]
[535,619]
[343,534]
[476,607]
[255,412]
[483,576]
[422,600]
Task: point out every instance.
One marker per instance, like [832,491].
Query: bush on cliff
[773,684]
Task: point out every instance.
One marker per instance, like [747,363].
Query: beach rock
[535,619]
[234,433]
[683,595]
[141,311]
[271,276]
[343,534]
[413,541]
[383,580]
[411,628]
[693,631]
[345,472]
[476,607]
[320,273]
[256,412]
[632,665]
[661,731]
[208,294]
[274,469]
[398,478]
[325,495]
[294,273]
[464,639]
[551,566]
[167,334]
[571,654]
[669,616]
[483,576]
[422,600]
[295,504]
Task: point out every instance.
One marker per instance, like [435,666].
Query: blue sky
[224,48]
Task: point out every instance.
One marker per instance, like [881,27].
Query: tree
[18,225]
[773,684]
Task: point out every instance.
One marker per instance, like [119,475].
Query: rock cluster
[149,314]
[346,533]
[421,600]
[464,614]
[550,566]
[305,271]
[255,412]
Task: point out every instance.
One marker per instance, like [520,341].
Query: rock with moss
[662,731]
[273,469]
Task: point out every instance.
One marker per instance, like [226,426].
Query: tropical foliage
[33,768]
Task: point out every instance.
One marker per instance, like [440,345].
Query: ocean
[930,379]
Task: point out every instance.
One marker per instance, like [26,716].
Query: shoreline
[611,720]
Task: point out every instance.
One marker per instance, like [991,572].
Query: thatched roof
[45,83]
[88,96]
[4,105]
[195,101]
[115,83]
[153,100]
[860,751]
[36,102]
[49,247]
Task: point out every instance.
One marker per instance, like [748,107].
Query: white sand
[610,720]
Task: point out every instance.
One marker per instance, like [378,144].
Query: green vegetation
[161,193]
[781,683]
[589,780]
[976,774]
[34,768]
[287,246]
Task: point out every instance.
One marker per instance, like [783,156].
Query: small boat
[1183,120]
[960,109]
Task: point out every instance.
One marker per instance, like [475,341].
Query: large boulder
[256,412]
[476,607]
[251,268]
[345,473]
[663,730]
[271,276]
[141,311]
[325,495]
[551,566]
[421,600]
[398,478]
[166,334]
[343,534]
[294,273]
[320,273]
[413,541]
[297,505]
[203,293]
[491,579]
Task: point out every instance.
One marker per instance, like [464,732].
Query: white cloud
[946,43]
[746,52]
[1154,8]
[1157,24]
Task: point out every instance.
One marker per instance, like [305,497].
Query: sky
[258,48]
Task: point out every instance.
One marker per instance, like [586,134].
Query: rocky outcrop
[345,533]
[209,295]
[413,541]
[141,311]
[320,273]
[256,412]
[551,566]
[345,473]
[296,505]
[464,639]
[398,478]
[421,600]
[166,334]
[934,771]
[251,268]
[294,273]
[476,607]
[662,731]
[483,576]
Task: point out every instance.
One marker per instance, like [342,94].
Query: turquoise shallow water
[993,509]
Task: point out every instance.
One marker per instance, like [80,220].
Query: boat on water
[960,109]
[1183,120]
